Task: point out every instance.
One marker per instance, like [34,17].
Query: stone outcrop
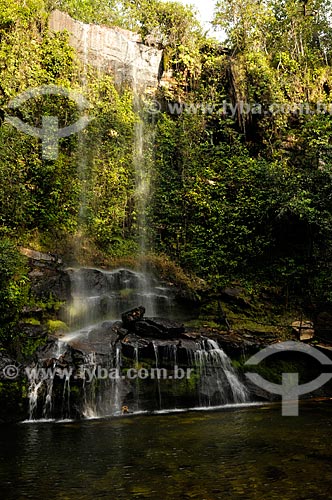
[159,328]
[132,316]
[48,279]
[304,330]
[113,50]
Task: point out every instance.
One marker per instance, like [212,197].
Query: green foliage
[33,192]
[13,288]
[109,160]
[89,11]
[89,186]
[246,196]
[166,23]
[236,196]
[28,346]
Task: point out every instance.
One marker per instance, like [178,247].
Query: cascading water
[218,382]
[99,344]
[41,385]
[98,294]
[213,381]
[143,167]
[156,354]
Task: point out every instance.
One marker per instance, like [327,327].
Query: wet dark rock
[257,393]
[158,327]
[45,354]
[235,345]
[105,305]
[131,343]
[99,340]
[95,281]
[187,297]
[168,350]
[129,318]
[50,282]
[103,335]
[185,351]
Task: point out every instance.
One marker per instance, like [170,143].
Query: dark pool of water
[249,453]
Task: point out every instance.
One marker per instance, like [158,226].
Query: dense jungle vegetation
[242,176]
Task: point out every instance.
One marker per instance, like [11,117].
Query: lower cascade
[107,366]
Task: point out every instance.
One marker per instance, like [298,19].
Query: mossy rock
[57,326]
[125,293]
[32,321]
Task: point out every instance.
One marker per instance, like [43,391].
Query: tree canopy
[241,168]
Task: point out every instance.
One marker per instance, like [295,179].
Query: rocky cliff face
[114,50]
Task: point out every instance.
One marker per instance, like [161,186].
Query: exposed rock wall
[114,50]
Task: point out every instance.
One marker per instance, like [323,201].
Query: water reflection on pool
[250,453]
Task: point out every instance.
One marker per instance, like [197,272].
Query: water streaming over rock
[41,383]
[218,382]
[71,377]
[143,162]
[98,294]
[87,368]
[90,362]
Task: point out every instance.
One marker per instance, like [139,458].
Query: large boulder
[130,318]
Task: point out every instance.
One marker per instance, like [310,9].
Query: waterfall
[71,377]
[89,392]
[157,365]
[98,294]
[142,168]
[65,411]
[215,381]
[137,389]
[33,390]
[117,382]
[98,345]
[103,395]
[219,383]
[41,385]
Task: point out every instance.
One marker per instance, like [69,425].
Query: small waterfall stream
[101,294]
